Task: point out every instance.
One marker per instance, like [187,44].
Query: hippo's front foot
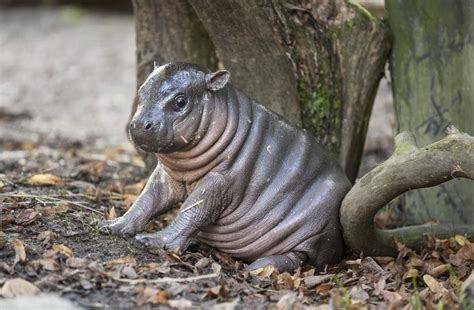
[165,239]
[121,226]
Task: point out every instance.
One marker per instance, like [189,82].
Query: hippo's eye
[180,102]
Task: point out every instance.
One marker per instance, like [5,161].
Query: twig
[52,199]
[192,206]
[156,281]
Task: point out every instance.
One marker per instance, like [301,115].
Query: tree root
[408,168]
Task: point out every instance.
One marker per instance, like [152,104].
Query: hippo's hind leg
[283,262]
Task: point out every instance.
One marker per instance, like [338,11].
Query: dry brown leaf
[135,188]
[358,294]
[180,303]
[62,249]
[154,296]
[126,260]
[461,240]
[56,209]
[46,236]
[20,252]
[439,270]
[46,264]
[216,268]
[27,217]
[149,267]
[44,180]
[128,200]
[263,272]
[312,281]
[18,287]
[111,215]
[391,297]
[76,262]
[435,286]
[287,301]
[285,280]
[324,288]
[465,253]
[411,273]
[202,263]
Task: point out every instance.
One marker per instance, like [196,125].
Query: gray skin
[251,185]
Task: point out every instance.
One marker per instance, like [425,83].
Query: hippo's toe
[118,226]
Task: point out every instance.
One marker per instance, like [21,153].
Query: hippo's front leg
[159,195]
[203,206]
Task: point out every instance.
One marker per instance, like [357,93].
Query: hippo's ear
[217,80]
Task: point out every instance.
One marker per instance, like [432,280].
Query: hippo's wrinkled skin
[251,184]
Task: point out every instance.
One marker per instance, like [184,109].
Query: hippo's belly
[280,208]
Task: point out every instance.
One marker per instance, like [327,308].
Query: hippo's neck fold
[211,145]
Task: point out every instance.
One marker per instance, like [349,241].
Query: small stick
[192,206]
[166,279]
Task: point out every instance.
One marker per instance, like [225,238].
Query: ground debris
[49,242]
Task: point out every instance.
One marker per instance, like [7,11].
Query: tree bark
[314,62]
[432,69]
[408,168]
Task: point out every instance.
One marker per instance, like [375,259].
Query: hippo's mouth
[154,148]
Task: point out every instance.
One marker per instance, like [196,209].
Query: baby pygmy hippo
[251,185]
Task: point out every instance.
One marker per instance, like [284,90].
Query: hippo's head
[170,105]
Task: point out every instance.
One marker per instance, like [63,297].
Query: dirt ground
[66,86]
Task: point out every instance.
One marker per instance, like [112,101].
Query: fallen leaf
[216,268]
[157,297]
[324,288]
[461,240]
[135,188]
[148,267]
[126,260]
[56,209]
[202,263]
[411,273]
[391,297]
[127,272]
[44,180]
[128,200]
[358,294]
[439,270]
[180,303]
[216,291]
[20,252]
[27,217]
[316,280]
[263,272]
[61,248]
[435,286]
[287,301]
[18,287]
[46,236]
[76,262]
[111,215]
[46,264]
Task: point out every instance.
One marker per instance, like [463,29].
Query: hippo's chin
[163,149]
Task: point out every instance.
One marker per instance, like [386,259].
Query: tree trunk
[317,63]
[432,71]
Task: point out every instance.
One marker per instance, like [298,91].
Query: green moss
[321,113]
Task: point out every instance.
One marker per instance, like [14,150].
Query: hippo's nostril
[148,125]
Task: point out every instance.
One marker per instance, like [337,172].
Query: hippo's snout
[145,133]
[142,126]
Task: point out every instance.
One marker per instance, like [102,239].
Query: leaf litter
[52,200]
